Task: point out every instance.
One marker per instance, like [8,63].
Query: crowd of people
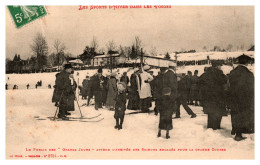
[217,93]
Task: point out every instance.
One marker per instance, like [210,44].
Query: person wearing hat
[165,111]
[112,91]
[63,91]
[169,80]
[241,98]
[213,82]
[144,89]
[134,99]
[97,86]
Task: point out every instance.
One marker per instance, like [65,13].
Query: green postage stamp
[25,14]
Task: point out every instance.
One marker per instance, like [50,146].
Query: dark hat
[99,70]
[166,91]
[243,59]
[67,66]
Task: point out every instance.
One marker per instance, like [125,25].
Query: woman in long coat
[112,92]
[166,111]
[213,83]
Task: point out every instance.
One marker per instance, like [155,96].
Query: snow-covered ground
[28,126]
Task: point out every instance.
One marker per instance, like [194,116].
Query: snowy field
[28,126]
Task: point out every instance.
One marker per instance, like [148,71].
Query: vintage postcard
[130,82]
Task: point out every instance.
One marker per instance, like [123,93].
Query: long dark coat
[194,91]
[120,105]
[165,109]
[64,91]
[134,99]
[97,86]
[212,84]
[241,99]
[169,79]
[112,92]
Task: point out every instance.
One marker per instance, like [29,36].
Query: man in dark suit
[241,98]
[214,100]
[97,88]
[63,92]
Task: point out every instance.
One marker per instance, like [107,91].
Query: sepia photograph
[130,82]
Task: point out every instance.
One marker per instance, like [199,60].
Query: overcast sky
[180,27]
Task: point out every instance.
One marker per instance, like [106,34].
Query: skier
[241,99]
[63,89]
[6,86]
[28,85]
[120,105]
[166,111]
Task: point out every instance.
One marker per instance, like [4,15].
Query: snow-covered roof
[106,56]
[76,61]
[212,55]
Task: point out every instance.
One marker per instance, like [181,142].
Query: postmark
[23,15]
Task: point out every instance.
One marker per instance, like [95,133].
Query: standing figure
[194,95]
[28,85]
[120,105]
[144,89]
[72,94]
[134,99]
[169,80]
[214,99]
[6,86]
[97,87]
[156,86]
[166,111]
[105,89]
[182,98]
[242,99]
[63,91]
[202,89]
[188,81]
[124,78]
[112,91]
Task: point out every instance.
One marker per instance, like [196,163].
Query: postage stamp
[25,14]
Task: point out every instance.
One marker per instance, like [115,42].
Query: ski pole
[78,105]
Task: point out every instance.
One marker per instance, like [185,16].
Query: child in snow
[120,105]
[166,111]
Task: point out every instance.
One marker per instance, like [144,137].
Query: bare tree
[111,45]
[94,44]
[229,48]
[40,50]
[153,51]
[59,46]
